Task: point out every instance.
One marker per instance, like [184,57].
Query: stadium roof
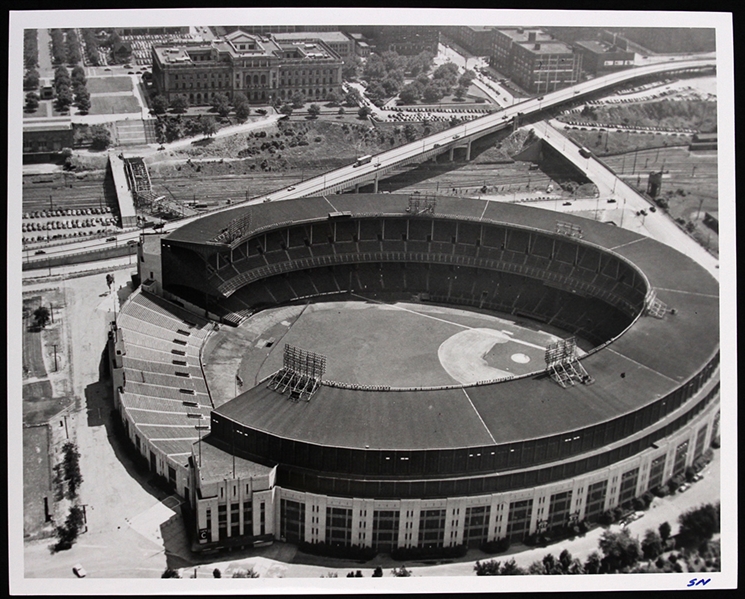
[650,360]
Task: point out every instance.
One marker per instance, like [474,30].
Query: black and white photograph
[414,296]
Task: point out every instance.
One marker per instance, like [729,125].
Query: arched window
[256,79]
[263,80]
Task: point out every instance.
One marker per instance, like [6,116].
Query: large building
[601,58]
[264,70]
[45,138]
[303,459]
[534,60]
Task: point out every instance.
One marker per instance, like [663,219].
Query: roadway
[654,224]
[460,136]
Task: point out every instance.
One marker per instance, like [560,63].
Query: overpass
[659,225]
[461,136]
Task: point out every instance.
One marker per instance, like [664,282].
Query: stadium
[301,370]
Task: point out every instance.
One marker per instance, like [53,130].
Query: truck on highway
[584,152]
[363,160]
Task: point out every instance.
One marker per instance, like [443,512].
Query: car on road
[39,252]
[684,487]
[567,204]
[290,189]
[611,201]
[456,136]
[111,239]
[132,242]
[79,571]
[697,477]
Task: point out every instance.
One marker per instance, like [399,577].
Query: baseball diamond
[471,373]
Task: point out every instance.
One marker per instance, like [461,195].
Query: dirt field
[403,345]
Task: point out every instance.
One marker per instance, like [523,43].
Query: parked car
[684,487]
[79,571]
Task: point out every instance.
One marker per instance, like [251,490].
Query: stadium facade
[263,69]
[304,459]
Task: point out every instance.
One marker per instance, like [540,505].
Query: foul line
[479,415]
[329,203]
[687,292]
[642,365]
[629,243]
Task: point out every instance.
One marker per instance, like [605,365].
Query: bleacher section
[164,394]
[335,243]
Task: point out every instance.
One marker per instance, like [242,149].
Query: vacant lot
[37,484]
[107,85]
[113,104]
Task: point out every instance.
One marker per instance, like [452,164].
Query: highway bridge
[461,136]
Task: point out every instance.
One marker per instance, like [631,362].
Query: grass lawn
[106,85]
[113,104]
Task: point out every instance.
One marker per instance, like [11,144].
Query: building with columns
[264,70]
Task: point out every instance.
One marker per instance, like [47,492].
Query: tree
[461,91]
[245,573]
[64,98]
[314,110]
[511,568]
[620,550]
[593,563]
[41,317]
[297,100]
[332,98]
[651,544]
[83,100]
[170,573]
[286,109]
[159,104]
[71,468]
[364,112]
[242,111]
[410,93]
[30,80]
[432,93]
[100,137]
[216,573]
[487,568]
[32,102]
[664,529]
[180,104]
[698,525]
[209,126]
[401,572]
[378,572]
[221,104]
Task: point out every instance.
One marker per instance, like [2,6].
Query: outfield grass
[398,345]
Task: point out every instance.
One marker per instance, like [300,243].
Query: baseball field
[372,343]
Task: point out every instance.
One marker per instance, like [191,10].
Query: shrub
[496,546]
[417,553]
[354,552]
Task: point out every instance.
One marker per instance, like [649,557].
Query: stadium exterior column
[468,151]
[452,151]
[375,184]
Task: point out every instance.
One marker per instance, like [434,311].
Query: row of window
[386,523]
